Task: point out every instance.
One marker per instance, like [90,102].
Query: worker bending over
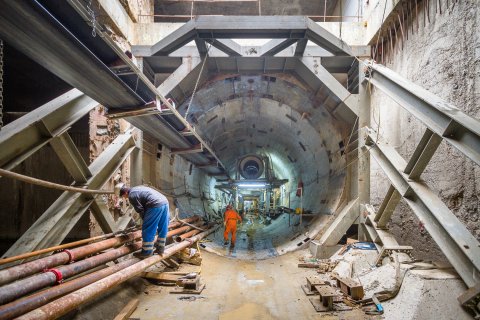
[153,209]
[230,223]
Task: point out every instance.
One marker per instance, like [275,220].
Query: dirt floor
[238,289]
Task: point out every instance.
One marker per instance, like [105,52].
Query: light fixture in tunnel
[251,185]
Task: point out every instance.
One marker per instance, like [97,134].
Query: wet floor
[236,289]
[257,238]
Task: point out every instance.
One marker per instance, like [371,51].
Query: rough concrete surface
[444,58]
[270,289]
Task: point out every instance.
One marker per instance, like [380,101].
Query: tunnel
[284,151]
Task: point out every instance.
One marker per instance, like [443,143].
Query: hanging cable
[48,184]
[198,80]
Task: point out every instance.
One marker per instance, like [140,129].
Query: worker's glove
[225,224]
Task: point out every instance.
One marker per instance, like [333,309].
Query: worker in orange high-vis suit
[230,223]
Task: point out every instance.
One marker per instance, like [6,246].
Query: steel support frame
[59,219]
[268,27]
[453,238]
[346,98]
[23,137]
[186,33]
[28,27]
[441,117]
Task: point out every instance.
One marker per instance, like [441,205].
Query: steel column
[363,165]
[55,223]
[453,238]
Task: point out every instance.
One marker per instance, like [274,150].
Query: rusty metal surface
[181,230]
[71,301]
[177,224]
[32,267]
[26,304]
[189,234]
[19,288]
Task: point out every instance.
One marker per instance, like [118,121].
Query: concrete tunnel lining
[251,114]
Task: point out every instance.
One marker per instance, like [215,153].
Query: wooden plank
[313,281]
[163,277]
[308,265]
[127,310]
[350,287]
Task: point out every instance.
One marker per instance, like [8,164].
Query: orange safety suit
[230,220]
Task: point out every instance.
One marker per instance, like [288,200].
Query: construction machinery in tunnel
[286,128]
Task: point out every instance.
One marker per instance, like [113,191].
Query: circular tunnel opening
[284,153]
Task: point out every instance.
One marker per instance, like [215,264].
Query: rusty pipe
[19,288]
[182,237]
[179,223]
[55,248]
[32,267]
[184,229]
[26,304]
[65,304]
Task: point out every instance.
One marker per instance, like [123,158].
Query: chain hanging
[93,18]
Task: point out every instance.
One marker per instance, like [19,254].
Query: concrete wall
[444,57]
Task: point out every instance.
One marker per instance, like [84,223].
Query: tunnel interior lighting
[251,185]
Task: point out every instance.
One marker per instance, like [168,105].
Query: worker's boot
[160,246]
[232,245]
[160,249]
[143,254]
[225,243]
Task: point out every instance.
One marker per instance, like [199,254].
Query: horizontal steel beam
[31,29]
[59,219]
[24,136]
[456,242]
[246,27]
[441,117]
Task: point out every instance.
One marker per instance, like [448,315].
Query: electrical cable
[48,184]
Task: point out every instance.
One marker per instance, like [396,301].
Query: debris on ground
[190,298]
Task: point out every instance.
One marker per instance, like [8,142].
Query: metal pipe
[32,267]
[55,248]
[26,304]
[182,237]
[179,223]
[19,288]
[62,306]
[181,230]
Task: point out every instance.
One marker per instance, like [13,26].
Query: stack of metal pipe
[44,289]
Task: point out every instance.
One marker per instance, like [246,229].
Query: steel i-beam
[441,117]
[456,242]
[59,219]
